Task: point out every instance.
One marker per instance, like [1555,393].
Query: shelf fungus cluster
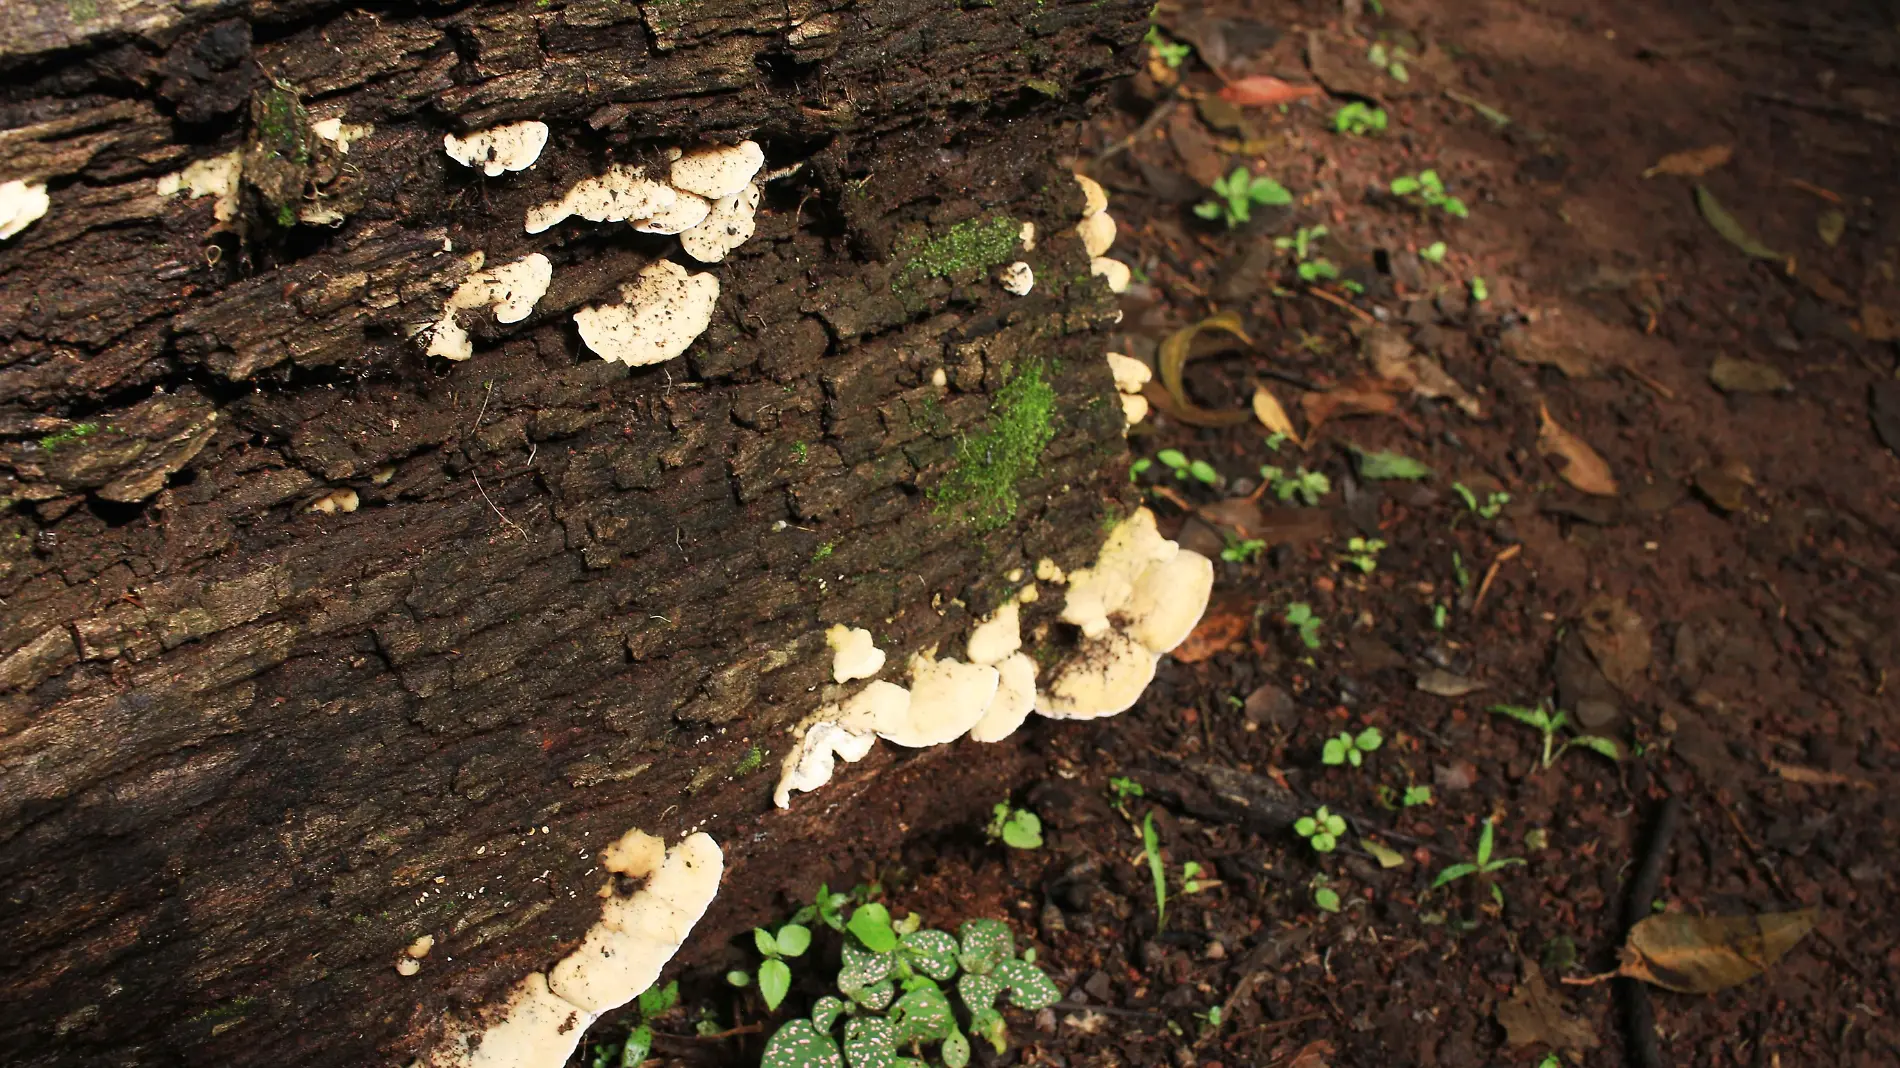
[1097,231]
[541,1022]
[1130,376]
[510,291]
[22,203]
[1140,599]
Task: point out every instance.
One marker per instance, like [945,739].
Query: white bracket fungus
[1018,279]
[718,172]
[621,194]
[21,204]
[1134,408]
[341,134]
[1114,272]
[853,653]
[1094,197]
[513,147]
[947,698]
[810,765]
[730,224]
[512,290]
[994,639]
[665,309]
[340,500]
[1015,699]
[1106,677]
[216,177]
[1130,374]
[684,213]
[1027,235]
[1098,591]
[1097,232]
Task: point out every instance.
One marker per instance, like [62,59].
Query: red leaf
[1265,91]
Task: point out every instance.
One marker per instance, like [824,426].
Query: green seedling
[1139,468]
[1311,268]
[1415,796]
[1484,866]
[1308,486]
[1479,291]
[1391,467]
[632,1051]
[1199,470]
[1458,571]
[1426,188]
[1018,828]
[1321,830]
[1242,551]
[1552,726]
[1238,193]
[1349,748]
[1434,252]
[1494,502]
[1212,1017]
[775,976]
[1392,61]
[1440,616]
[1326,898]
[1123,790]
[1151,846]
[1299,615]
[1275,440]
[1358,119]
[1363,553]
[1173,53]
[1191,881]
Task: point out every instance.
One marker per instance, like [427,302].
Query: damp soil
[1725,614]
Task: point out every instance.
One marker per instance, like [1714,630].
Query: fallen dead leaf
[1732,374]
[1219,628]
[1265,91]
[1384,854]
[1441,683]
[1395,359]
[1583,468]
[1618,639]
[1876,323]
[1726,484]
[1693,163]
[1544,345]
[1312,1055]
[1830,226]
[1822,286]
[1536,1015]
[1730,227]
[1267,409]
[1816,776]
[1703,954]
[1358,397]
[1175,353]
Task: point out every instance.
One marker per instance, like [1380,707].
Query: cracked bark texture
[248,751]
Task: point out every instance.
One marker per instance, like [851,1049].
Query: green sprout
[775,976]
[1484,867]
[1018,828]
[1493,502]
[1358,119]
[1192,881]
[1426,188]
[1392,61]
[1311,268]
[1242,551]
[1458,569]
[1138,468]
[1433,253]
[1349,748]
[1238,193]
[1441,615]
[1183,467]
[1124,790]
[1415,796]
[1151,845]
[1300,615]
[1551,726]
[1173,53]
[1324,896]
[1321,830]
[1363,553]
[1479,291]
[1212,1017]
[1309,486]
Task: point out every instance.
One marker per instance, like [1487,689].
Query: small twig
[1644,1049]
[491,503]
[1661,390]
[1154,119]
[1363,315]
[1490,574]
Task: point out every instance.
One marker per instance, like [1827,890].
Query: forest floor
[1676,241]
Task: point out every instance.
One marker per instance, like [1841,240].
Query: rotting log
[253,742]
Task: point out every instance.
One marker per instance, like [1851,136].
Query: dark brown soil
[1727,616]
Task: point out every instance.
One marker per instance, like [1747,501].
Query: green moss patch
[981,487]
[969,247]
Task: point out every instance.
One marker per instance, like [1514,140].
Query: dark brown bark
[248,751]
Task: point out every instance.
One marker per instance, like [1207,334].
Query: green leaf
[1390,466]
[1404,186]
[1326,898]
[739,977]
[826,1011]
[1485,841]
[871,923]
[1729,227]
[983,944]
[1204,471]
[1023,830]
[1029,988]
[1269,192]
[1324,842]
[923,1015]
[933,953]
[987,1024]
[1456,871]
[793,939]
[1335,825]
[801,1044]
[1416,795]
[658,999]
[1433,253]
[870,1042]
[861,968]
[955,1051]
[1457,207]
[775,981]
[1599,745]
[639,1044]
[978,991]
[768,946]
[1369,739]
[876,997]
[1334,751]
[1172,458]
[1429,180]
[1385,855]
[1151,845]
[1207,209]
[1305,826]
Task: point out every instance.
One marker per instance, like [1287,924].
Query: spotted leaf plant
[895,980]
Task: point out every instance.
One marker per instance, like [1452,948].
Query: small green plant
[801,451]
[631,1052]
[1324,896]
[1494,502]
[1158,871]
[823,552]
[1384,466]
[1018,828]
[1363,553]
[1483,865]
[1458,571]
[1321,830]
[1199,470]
[71,434]
[1191,881]
[1139,468]
[1426,188]
[1299,615]
[1415,796]
[1390,60]
[1311,268]
[1350,748]
[1552,726]
[1308,486]
[1173,53]
[1242,551]
[895,978]
[1238,193]
[1434,252]
[1123,790]
[1358,119]
[1212,1017]
[1440,616]
[1479,291]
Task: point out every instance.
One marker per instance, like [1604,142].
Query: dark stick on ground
[1640,1014]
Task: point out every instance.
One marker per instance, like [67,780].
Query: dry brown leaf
[1267,409]
[1693,163]
[1822,286]
[1876,323]
[1175,353]
[1535,1015]
[1726,484]
[1703,954]
[1265,91]
[1394,359]
[1618,639]
[1218,629]
[1358,397]
[1441,683]
[1731,374]
[1583,468]
[1544,345]
[1312,1055]
[1816,777]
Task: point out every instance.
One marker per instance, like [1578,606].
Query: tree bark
[251,750]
